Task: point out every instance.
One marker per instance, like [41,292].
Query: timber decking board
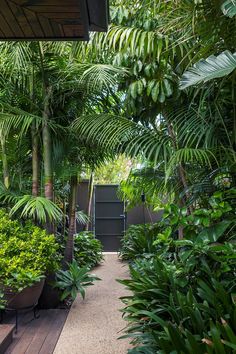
[6,334]
[37,335]
[56,328]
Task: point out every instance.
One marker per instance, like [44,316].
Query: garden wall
[138,215]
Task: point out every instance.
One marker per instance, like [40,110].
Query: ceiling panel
[51,19]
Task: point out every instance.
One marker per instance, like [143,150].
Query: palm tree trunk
[46,134]
[64,219]
[69,250]
[90,198]
[47,156]
[6,174]
[181,174]
[181,170]
[35,161]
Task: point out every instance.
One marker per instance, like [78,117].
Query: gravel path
[93,325]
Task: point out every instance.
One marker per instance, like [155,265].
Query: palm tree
[157,41]
[72,157]
[60,89]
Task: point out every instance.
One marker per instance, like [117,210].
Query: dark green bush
[26,252]
[88,250]
[169,312]
[139,241]
[183,292]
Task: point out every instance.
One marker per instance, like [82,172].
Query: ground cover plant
[139,241]
[169,313]
[183,294]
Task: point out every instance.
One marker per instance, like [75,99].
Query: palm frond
[7,196]
[211,68]
[37,208]
[99,76]
[190,155]
[118,134]
[82,218]
[229,8]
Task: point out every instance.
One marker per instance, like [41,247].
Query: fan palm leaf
[37,208]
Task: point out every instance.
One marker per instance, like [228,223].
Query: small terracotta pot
[28,297]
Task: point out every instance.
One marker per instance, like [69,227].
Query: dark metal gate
[109,218]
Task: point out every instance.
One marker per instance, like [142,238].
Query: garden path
[94,324]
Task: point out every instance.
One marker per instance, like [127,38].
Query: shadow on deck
[36,336]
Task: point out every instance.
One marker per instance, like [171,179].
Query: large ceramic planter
[50,297]
[26,298]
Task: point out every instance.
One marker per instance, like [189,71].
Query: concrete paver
[94,324]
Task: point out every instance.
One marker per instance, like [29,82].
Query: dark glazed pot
[50,297]
[28,297]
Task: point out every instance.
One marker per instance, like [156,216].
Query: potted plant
[27,254]
[22,290]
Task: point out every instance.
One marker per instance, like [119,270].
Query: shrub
[26,252]
[87,250]
[215,223]
[74,281]
[183,291]
[181,306]
[139,241]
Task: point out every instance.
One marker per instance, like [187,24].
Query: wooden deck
[36,336]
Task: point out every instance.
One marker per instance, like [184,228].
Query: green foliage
[229,8]
[37,208]
[74,281]
[183,290]
[213,223]
[186,136]
[113,171]
[82,218]
[2,301]
[87,250]
[211,68]
[26,254]
[175,307]
[139,181]
[23,279]
[139,241]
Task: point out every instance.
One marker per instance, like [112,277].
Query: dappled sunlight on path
[93,325]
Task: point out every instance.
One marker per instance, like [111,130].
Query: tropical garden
[158,88]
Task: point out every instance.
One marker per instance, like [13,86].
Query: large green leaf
[229,8]
[214,232]
[211,68]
